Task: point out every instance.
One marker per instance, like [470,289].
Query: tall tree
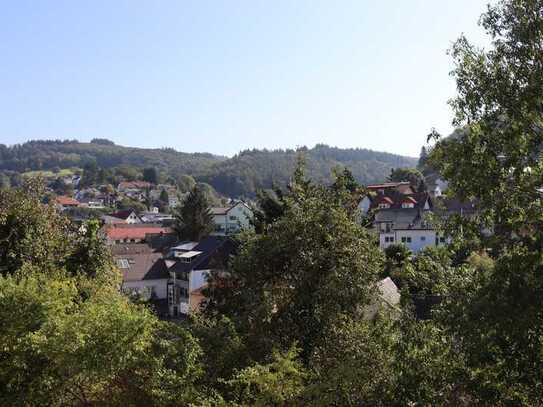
[496,163]
[313,264]
[150,174]
[411,175]
[193,219]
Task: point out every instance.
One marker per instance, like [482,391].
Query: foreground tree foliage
[69,337]
[287,324]
[495,312]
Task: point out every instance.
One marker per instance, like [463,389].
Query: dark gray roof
[213,248]
[144,263]
[403,219]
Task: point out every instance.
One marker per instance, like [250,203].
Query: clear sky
[222,76]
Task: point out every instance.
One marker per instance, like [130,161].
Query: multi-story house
[231,219]
[401,216]
[190,264]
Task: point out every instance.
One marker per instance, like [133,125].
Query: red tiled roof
[134,232]
[66,201]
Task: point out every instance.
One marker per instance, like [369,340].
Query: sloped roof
[139,232]
[66,201]
[211,247]
[387,185]
[220,211]
[144,263]
[224,210]
[409,199]
[122,214]
[389,292]
[385,199]
[395,199]
[403,218]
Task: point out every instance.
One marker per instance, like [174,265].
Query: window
[384,206]
[423,238]
[408,205]
[231,217]
[406,239]
[122,263]
[389,239]
[442,240]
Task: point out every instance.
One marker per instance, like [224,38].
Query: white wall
[198,278]
[419,239]
[238,217]
[159,286]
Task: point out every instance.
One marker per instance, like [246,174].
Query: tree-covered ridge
[241,175]
[48,154]
[251,170]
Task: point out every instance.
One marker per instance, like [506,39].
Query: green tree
[193,219]
[150,174]
[58,350]
[313,264]
[496,163]
[31,232]
[411,175]
[164,197]
[90,174]
[281,382]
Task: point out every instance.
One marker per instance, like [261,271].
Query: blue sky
[222,76]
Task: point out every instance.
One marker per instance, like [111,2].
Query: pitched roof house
[190,265]
[135,233]
[231,219]
[126,216]
[143,269]
[66,202]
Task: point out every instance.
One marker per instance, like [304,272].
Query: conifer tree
[193,219]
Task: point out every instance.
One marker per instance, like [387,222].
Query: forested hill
[240,175]
[249,170]
[50,154]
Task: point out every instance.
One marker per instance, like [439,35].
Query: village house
[401,216]
[134,233]
[231,219]
[190,265]
[128,216]
[144,273]
[65,202]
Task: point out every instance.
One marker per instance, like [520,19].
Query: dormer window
[385,203]
[123,263]
[408,202]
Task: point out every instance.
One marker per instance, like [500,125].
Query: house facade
[190,264]
[231,219]
[143,270]
[401,216]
